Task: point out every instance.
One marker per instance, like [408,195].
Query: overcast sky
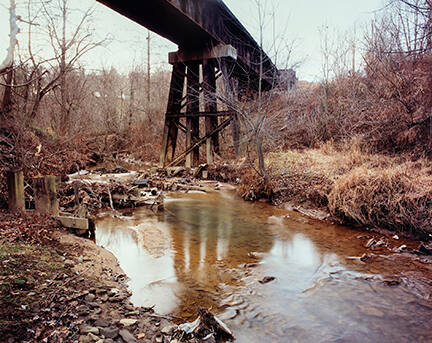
[296,21]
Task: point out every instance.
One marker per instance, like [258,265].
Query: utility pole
[148,67]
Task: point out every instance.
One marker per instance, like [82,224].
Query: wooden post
[192,123]
[228,80]
[211,123]
[45,195]
[15,183]
[169,140]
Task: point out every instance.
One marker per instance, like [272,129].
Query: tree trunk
[7,96]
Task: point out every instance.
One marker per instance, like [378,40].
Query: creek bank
[58,287]
[76,291]
[64,288]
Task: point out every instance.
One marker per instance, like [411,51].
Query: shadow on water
[211,250]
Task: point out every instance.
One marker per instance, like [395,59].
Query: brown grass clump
[392,198]
[357,187]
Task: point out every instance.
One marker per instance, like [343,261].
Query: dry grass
[358,187]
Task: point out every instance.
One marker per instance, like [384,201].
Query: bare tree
[68,44]
[259,111]
[6,67]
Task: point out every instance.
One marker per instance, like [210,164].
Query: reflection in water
[210,250]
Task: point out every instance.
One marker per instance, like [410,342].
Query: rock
[93,305]
[109,332]
[132,313]
[113,291]
[127,336]
[129,306]
[90,338]
[169,329]
[89,298]
[117,298]
[89,329]
[159,339]
[128,321]
[102,323]
[267,279]
[396,237]
[100,291]
[82,310]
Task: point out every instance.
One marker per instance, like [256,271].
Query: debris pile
[206,327]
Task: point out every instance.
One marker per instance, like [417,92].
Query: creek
[211,250]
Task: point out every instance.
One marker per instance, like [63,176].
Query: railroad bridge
[212,43]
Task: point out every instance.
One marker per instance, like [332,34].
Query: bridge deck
[199,24]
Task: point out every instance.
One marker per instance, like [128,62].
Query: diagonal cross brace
[223,125]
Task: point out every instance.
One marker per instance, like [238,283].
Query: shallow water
[210,250]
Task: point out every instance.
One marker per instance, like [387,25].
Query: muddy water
[211,250]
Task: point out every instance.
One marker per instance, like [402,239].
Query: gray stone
[109,332]
[102,323]
[89,298]
[89,329]
[117,298]
[169,329]
[127,336]
[83,310]
[90,338]
[128,321]
[132,313]
[129,306]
